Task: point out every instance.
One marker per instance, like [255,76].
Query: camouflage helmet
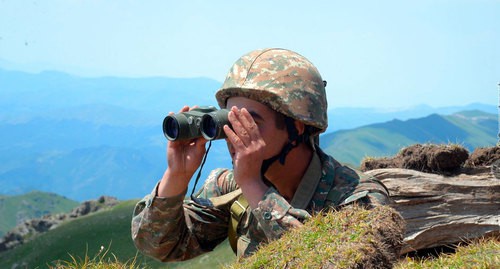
[281,79]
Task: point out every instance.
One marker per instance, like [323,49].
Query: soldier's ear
[300,127]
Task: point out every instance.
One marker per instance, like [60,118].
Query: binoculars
[204,121]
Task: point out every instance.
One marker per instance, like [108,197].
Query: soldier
[280,176]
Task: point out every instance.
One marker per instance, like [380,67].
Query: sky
[384,54]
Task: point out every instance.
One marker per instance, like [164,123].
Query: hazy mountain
[106,100]
[145,101]
[348,118]
[86,137]
[468,128]
[84,160]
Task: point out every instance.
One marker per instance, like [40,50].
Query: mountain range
[86,137]
[470,129]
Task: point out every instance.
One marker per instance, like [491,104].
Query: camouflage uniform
[173,229]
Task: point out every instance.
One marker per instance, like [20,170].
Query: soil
[377,163]
[430,158]
[483,157]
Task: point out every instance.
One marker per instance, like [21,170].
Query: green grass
[84,237]
[31,205]
[103,259]
[479,254]
[350,238]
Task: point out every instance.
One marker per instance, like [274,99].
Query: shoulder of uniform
[216,173]
[214,183]
[351,184]
[223,180]
[367,188]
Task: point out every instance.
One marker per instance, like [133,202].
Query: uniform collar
[308,184]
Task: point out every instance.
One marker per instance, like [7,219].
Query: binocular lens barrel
[171,128]
[212,124]
[209,127]
[181,127]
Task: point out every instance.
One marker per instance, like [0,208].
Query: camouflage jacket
[173,229]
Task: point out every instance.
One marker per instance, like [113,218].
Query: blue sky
[385,54]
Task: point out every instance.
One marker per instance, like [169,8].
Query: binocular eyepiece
[204,121]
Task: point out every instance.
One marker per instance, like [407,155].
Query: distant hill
[469,128]
[17,208]
[84,236]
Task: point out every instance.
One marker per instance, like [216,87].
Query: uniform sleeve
[369,192]
[174,229]
[275,215]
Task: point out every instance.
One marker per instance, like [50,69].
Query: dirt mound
[483,157]
[431,158]
[377,163]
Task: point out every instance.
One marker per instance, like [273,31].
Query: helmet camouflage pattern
[281,79]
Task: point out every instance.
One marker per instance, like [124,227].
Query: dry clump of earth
[438,159]
[483,156]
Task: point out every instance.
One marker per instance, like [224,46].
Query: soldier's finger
[193,107]
[248,122]
[184,109]
[235,117]
[235,141]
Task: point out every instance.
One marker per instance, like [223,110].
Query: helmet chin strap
[294,139]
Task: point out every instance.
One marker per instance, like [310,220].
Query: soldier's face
[267,122]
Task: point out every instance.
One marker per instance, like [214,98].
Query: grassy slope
[85,236]
[481,128]
[470,128]
[31,205]
[352,146]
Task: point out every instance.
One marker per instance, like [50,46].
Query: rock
[93,206]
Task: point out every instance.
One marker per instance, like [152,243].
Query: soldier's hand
[247,149]
[247,145]
[183,158]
